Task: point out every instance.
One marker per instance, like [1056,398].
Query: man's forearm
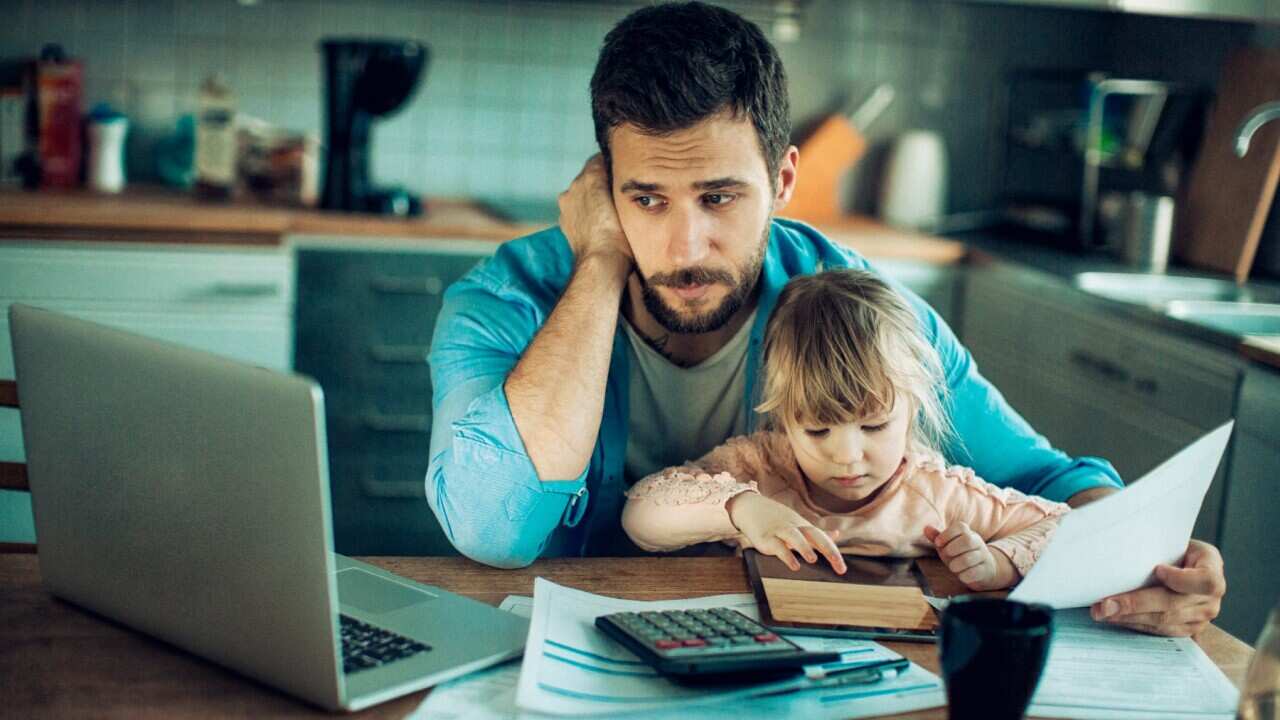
[556,390]
[1084,497]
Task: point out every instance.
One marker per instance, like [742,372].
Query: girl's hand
[775,529]
[967,555]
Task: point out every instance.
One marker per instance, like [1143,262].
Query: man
[586,356]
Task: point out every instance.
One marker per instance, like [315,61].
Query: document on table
[1113,545]
[584,663]
[571,668]
[1102,671]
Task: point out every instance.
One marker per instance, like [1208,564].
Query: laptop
[187,496]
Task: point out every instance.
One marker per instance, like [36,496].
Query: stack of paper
[1102,671]
[571,668]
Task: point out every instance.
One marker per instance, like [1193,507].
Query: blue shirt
[483,486]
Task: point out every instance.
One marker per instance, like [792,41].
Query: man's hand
[589,219]
[775,529]
[1189,598]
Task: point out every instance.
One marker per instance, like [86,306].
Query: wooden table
[57,660]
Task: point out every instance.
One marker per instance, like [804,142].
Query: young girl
[850,461]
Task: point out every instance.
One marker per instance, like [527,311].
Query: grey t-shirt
[677,413]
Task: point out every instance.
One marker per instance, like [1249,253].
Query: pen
[827,676]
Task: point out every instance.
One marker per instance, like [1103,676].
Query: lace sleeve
[687,486]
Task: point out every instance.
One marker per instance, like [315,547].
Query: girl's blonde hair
[840,346]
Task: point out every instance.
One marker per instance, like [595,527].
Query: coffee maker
[364,80]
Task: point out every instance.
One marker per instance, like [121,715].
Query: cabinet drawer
[158,276]
[378,420]
[1102,357]
[399,293]
[361,355]
[380,508]
[381,477]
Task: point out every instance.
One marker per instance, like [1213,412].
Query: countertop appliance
[1072,139]
[364,80]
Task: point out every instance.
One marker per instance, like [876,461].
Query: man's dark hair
[668,67]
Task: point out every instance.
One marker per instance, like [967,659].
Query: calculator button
[718,641]
[695,642]
[742,639]
[666,644]
[766,638]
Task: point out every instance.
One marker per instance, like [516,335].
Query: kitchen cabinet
[1242,10]
[365,316]
[1094,384]
[236,302]
[1252,508]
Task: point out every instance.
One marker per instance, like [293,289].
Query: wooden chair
[13,475]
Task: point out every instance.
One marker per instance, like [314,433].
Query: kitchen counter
[167,215]
[158,214]
[1059,265]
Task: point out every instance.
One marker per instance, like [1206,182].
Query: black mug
[992,653]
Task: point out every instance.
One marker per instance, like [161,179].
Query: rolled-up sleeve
[991,437]
[480,482]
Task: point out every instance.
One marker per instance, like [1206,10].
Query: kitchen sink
[1237,318]
[1160,290]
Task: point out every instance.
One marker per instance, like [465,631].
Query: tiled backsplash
[503,109]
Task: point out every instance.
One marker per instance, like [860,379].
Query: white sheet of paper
[1113,545]
[571,668]
[1097,670]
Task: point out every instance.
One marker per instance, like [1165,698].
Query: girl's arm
[686,505]
[998,533]
[681,506]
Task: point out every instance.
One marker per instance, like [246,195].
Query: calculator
[712,645]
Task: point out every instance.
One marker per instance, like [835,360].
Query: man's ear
[786,179]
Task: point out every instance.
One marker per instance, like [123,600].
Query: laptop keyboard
[366,646]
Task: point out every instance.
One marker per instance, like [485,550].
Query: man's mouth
[850,480]
[691,292]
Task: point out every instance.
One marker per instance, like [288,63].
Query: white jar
[913,191]
[105,172]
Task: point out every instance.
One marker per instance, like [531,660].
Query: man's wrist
[610,264]
[1084,497]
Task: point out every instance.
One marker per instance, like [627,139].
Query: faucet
[1254,120]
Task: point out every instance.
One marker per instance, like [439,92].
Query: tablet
[878,598]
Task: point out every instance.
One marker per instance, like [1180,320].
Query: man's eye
[717,198]
[875,428]
[647,201]
[817,432]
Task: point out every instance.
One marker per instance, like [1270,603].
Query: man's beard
[740,288]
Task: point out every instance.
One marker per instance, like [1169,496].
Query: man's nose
[688,241]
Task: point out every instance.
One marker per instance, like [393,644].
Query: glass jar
[1260,699]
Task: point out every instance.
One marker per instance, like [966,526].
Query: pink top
[685,505]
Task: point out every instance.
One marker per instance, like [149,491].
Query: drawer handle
[405,422]
[400,354]
[393,285]
[398,489]
[245,290]
[1101,366]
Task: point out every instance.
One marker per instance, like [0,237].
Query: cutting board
[825,155]
[1221,215]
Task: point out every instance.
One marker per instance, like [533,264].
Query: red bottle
[57,88]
